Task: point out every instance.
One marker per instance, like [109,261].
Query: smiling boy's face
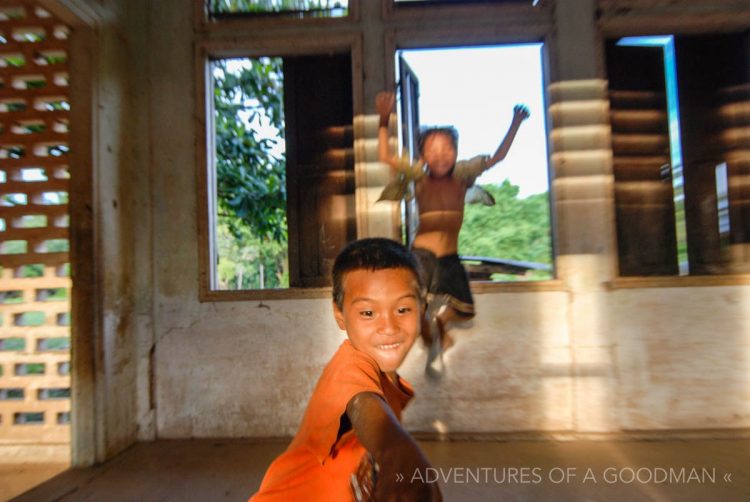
[381,314]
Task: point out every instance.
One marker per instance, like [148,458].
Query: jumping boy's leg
[440,314]
[426,331]
[435,325]
[445,316]
[431,336]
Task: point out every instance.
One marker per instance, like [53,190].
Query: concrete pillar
[583,188]
[576,48]
[373,49]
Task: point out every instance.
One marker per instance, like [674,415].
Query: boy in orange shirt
[351,445]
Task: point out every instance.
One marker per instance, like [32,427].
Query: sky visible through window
[475,89]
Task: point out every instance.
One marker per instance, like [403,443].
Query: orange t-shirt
[320,460]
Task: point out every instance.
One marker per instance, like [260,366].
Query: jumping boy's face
[439,154]
[381,314]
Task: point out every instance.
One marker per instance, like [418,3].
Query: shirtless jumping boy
[440,186]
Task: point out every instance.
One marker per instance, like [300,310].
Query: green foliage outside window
[512,229]
[251,231]
[249,263]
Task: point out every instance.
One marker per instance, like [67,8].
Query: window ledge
[477,287]
[267,294]
[481,287]
[680,282]
[488,287]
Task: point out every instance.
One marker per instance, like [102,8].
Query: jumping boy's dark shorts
[446,277]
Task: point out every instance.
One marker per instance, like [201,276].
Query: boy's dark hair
[375,253]
[425,134]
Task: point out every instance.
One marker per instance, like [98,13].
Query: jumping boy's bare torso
[441,213]
[440,197]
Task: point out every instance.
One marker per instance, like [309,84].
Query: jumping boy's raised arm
[384,103]
[395,451]
[520,113]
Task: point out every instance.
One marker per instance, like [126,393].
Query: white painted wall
[683,357]
[675,359]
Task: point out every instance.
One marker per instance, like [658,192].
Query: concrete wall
[122,217]
[675,358]
[682,357]
[581,354]
[111,211]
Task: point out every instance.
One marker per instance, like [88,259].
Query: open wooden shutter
[644,200]
[409,94]
[320,164]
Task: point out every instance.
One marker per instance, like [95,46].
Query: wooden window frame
[532,31]
[696,23]
[207,51]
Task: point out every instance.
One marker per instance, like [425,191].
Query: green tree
[250,172]
[248,263]
[514,229]
[250,175]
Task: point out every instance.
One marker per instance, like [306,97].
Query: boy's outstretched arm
[520,113]
[384,103]
[395,451]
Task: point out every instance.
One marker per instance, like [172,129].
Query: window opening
[666,43]
[722,202]
[290,8]
[281,186]
[250,231]
[511,240]
[679,120]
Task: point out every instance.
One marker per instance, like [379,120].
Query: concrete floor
[17,477]
[620,470]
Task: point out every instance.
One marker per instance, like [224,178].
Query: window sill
[266,294]
[482,287]
[477,287]
[489,287]
[680,282]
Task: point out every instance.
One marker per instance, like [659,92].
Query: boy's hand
[394,451]
[364,479]
[402,476]
[520,113]
[384,103]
